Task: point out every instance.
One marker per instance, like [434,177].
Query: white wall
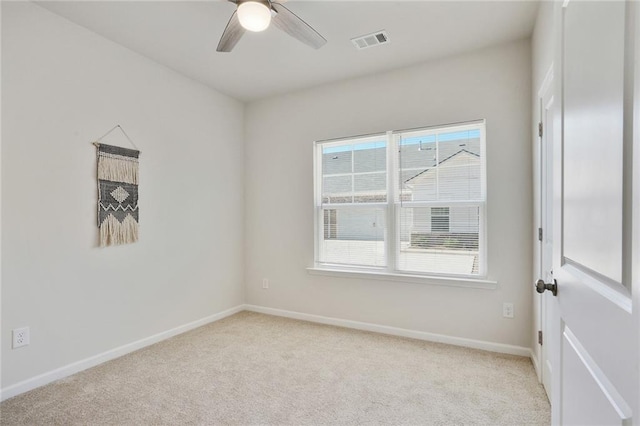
[542,41]
[64,86]
[494,84]
[542,59]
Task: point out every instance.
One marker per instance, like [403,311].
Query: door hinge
[540,129]
[539,234]
[540,337]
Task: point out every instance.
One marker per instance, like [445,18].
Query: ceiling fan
[256,15]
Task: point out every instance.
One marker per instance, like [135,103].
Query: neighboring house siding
[464,220]
[458,177]
[352,227]
[462,166]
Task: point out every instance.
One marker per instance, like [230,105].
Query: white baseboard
[536,364]
[67,370]
[403,332]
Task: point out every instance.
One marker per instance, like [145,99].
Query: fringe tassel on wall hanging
[117,194]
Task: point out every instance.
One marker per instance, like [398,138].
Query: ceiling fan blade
[231,35]
[291,24]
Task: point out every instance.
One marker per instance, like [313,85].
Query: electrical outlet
[265,283]
[20,337]
[507,310]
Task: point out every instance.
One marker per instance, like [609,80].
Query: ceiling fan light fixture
[254,15]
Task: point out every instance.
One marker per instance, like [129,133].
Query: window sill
[408,278]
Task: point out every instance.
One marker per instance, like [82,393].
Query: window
[404,202]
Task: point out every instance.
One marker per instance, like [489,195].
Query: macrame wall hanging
[117,192]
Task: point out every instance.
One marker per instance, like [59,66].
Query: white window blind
[441,200]
[354,202]
[405,202]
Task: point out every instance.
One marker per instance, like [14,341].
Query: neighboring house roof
[460,152]
[369,166]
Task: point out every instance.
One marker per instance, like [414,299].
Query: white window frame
[392,208]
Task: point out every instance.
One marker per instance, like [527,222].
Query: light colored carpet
[258,369]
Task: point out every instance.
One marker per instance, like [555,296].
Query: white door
[595,371]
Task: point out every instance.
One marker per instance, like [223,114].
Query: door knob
[541,286]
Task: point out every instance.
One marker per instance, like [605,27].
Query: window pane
[337,160]
[370,188]
[337,187]
[353,236]
[370,157]
[440,167]
[459,180]
[355,172]
[439,239]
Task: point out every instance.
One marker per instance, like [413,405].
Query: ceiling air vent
[370,40]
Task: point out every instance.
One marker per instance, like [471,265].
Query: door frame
[635,217]
[544,182]
[539,93]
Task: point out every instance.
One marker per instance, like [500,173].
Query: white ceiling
[183,35]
